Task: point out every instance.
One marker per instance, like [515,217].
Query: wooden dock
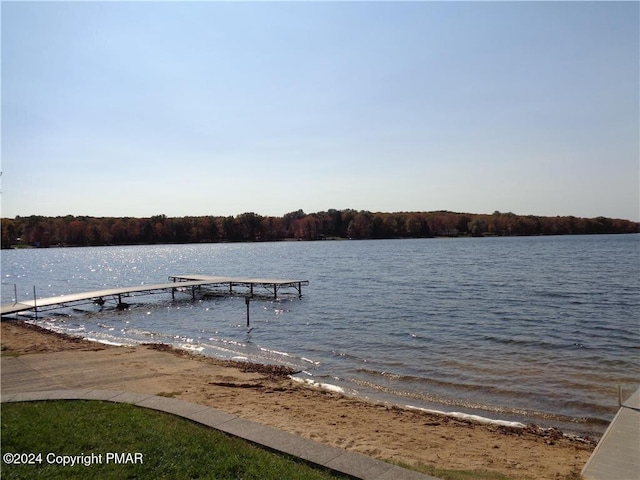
[273,285]
[179,283]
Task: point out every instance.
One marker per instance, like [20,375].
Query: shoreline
[249,366]
[284,371]
[268,395]
[476,414]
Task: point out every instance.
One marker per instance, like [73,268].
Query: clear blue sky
[208,108]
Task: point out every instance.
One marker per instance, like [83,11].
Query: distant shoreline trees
[71,230]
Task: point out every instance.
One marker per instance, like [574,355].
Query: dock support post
[619,395]
[275,291]
[35,304]
[15,293]
[247,300]
[251,289]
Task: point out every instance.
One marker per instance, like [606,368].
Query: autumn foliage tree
[297,225]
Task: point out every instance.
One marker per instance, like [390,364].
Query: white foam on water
[108,342]
[304,359]
[193,348]
[276,352]
[466,416]
[313,383]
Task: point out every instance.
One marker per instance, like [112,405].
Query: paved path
[32,377]
[617,456]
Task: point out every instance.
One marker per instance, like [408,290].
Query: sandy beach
[266,395]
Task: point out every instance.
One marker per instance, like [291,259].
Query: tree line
[250,227]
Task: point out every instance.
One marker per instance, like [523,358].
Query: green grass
[171,447]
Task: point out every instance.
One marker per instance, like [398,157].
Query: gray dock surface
[64,300]
[617,456]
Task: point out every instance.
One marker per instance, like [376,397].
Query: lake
[530,329]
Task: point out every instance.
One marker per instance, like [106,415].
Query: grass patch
[171,447]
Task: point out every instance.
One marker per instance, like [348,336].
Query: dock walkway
[617,456]
[182,283]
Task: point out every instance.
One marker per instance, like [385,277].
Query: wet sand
[266,395]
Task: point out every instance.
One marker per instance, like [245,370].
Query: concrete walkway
[617,456]
[22,381]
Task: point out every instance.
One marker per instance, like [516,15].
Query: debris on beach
[270,371]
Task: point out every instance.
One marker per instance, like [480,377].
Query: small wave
[313,362]
[466,416]
[228,342]
[275,352]
[109,342]
[456,402]
[347,355]
[554,294]
[324,386]
[459,385]
[191,348]
[143,333]
[525,342]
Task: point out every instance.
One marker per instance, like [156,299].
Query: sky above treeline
[219,108]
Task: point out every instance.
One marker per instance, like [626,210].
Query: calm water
[532,329]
